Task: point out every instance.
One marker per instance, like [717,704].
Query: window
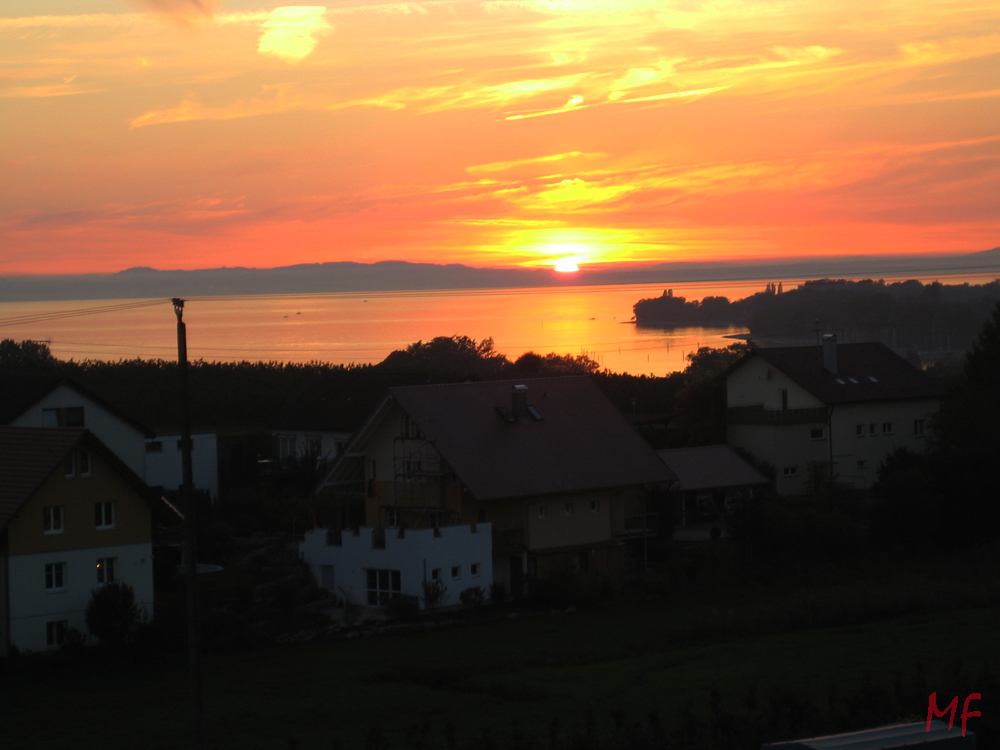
[474,570]
[790,471]
[382,585]
[286,447]
[436,574]
[104,515]
[784,398]
[817,433]
[456,571]
[55,632]
[887,428]
[860,430]
[52,519]
[106,569]
[918,428]
[63,417]
[872,429]
[154,446]
[84,463]
[593,506]
[862,463]
[569,509]
[410,429]
[314,446]
[543,511]
[55,576]
[326,579]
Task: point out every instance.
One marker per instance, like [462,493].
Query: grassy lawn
[543,672]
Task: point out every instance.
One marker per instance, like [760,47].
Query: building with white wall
[836,410]
[59,402]
[73,517]
[371,566]
[164,465]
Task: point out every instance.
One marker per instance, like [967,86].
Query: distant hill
[400,275]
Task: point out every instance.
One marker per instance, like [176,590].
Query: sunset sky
[198,134]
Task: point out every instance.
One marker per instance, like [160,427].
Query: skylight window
[853,380]
[841,381]
[873,378]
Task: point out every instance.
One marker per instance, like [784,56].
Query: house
[318,425]
[834,409]
[711,480]
[73,516]
[164,467]
[475,483]
[60,402]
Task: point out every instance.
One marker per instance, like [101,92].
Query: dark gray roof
[710,467]
[581,442]
[865,372]
[29,455]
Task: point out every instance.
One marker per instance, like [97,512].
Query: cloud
[502,166]
[292,32]
[183,10]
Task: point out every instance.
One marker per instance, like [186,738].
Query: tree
[968,443]
[113,615]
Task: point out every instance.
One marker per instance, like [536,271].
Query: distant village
[449,478]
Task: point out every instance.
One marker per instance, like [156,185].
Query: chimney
[519,401]
[830,352]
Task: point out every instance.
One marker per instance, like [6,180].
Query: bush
[435,593]
[113,615]
[473,596]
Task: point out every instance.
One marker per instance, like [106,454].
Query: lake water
[365,327]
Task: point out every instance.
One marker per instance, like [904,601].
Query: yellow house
[73,517]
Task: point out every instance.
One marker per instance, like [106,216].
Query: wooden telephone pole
[190,536]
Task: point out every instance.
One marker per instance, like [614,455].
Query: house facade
[165,468]
[73,517]
[539,474]
[58,402]
[834,409]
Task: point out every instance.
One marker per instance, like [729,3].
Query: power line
[79,312]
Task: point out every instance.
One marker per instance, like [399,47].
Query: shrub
[113,615]
[435,593]
[473,596]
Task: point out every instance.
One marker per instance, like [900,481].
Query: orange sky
[195,134]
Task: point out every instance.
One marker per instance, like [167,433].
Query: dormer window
[873,378]
[841,381]
[853,380]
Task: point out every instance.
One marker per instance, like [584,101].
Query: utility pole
[190,535]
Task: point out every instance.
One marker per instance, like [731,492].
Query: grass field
[541,677]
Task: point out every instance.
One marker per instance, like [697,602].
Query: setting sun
[567,265]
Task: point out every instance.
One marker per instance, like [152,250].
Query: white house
[834,409]
[164,467]
[518,479]
[58,402]
[73,517]
[372,566]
